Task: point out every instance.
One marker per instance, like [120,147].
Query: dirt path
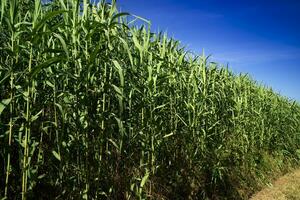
[285,188]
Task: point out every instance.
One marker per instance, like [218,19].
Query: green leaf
[136,42]
[3,104]
[143,19]
[3,6]
[56,155]
[120,71]
[48,16]
[46,64]
[114,144]
[145,178]
[120,96]
[128,51]
[41,176]
[168,135]
[118,90]
[5,77]
[63,43]
[118,16]
[159,107]
[120,125]
[35,117]
[50,84]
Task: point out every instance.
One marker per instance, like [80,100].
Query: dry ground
[285,188]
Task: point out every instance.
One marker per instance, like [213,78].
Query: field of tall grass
[94,106]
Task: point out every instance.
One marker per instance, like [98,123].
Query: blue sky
[258,37]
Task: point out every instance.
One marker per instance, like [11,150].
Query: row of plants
[93,106]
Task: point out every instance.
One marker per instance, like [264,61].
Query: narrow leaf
[5,77]
[3,104]
[120,71]
[56,155]
[118,16]
[145,178]
[63,43]
[35,117]
[48,16]
[46,64]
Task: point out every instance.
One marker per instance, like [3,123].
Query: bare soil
[285,188]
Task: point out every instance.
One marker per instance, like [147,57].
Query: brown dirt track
[285,188]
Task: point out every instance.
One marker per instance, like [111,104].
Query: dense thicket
[92,107]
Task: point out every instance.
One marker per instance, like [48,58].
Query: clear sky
[259,37]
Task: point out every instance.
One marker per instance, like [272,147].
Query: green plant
[93,107]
